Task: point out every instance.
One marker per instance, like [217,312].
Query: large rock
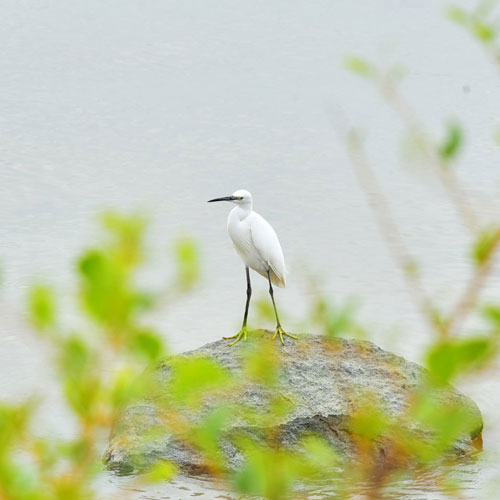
[326,380]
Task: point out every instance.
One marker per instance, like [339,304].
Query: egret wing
[241,237]
[267,244]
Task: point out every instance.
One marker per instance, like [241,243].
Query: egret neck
[242,211]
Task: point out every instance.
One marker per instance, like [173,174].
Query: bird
[258,246]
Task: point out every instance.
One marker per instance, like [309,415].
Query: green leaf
[492,313]
[14,421]
[476,23]
[444,421]
[319,458]
[262,363]
[42,309]
[162,471]
[452,142]
[106,290]
[128,385]
[148,344]
[82,394]
[207,435]
[482,31]
[369,421]
[188,262]
[194,378]
[359,66]
[266,473]
[251,478]
[449,358]
[484,245]
[458,15]
[75,358]
[107,285]
[125,233]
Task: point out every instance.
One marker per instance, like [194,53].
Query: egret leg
[243,332]
[279,330]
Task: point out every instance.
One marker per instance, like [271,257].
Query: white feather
[257,244]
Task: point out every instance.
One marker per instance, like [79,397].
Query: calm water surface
[165,104]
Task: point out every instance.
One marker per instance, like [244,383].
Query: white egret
[258,246]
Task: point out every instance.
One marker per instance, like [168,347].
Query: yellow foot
[279,331]
[242,333]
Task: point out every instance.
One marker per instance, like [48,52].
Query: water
[166,104]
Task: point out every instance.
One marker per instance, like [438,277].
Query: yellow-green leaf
[359,66]
[162,471]
[452,142]
[449,358]
[188,262]
[484,245]
[42,307]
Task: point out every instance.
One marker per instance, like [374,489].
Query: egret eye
[240,197]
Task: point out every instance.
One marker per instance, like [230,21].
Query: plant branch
[390,230]
[449,180]
[474,287]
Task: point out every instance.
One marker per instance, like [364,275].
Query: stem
[456,192]
[390,230]
[473,288]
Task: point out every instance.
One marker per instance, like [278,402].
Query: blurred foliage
[42,307]
[99,371]
[272,473]
[162,471]
[360,66]
[104,368]
[496,136]
[449,358]
[328,317]
[481,21]
[452,142]
[194,378]
[188,268]
[102,371]
[456,351]
[485,245]
[337,320]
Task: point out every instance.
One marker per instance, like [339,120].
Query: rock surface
[324,379]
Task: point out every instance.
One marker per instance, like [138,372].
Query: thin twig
[473,288]
[449,180]
[459,199]
[390,230]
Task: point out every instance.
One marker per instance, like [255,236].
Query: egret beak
[224,198]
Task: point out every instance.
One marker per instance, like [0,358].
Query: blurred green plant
[188,264]
[452,143]
[99,371]
[455,352]
[480,21]
[449,358]
[337,320]
[103,369]
[273,473]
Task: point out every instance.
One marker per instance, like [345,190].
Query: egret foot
[279,331]
[242,333]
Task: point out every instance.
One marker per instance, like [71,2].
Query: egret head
[240,197]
